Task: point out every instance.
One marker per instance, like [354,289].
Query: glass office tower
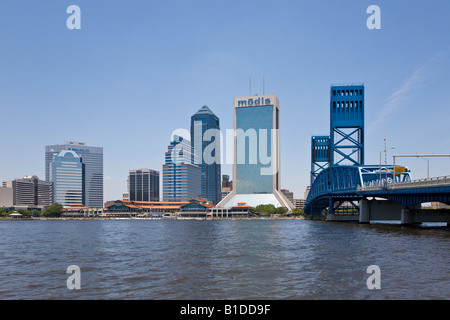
[256,167]
[205,137]
[181,178]
[93,161]
[67,175]
[143,185]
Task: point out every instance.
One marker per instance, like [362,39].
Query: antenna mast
[263,87]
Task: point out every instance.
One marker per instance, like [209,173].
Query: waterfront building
[92,158]
[207,145]
[27,192]
[151,207]
[143,185]
[181,178]
[256,167]
[67,175]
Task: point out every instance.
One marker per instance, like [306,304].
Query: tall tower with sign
[256,144]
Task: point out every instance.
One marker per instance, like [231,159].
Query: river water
[224,259]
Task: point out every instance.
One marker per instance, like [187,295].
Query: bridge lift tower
[345,144]
[347,124]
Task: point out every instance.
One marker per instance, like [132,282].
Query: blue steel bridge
[341,184]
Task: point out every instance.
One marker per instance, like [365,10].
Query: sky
[137,71]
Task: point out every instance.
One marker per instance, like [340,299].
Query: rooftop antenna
[263,87]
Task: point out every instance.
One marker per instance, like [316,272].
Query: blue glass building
[181,178]
[205,138]
[93,161]
[67,175]
[256,167]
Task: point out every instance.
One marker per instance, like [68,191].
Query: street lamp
[385,150]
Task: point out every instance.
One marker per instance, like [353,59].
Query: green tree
[24,213]
[3,212]
[55,210]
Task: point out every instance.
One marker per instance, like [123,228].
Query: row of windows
[347,104]
[351,92]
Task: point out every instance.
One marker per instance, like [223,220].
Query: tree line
[54,210]
[269,209]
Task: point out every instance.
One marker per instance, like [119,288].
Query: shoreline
[149,219]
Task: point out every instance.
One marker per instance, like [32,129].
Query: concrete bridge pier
[364,211]
[382,210]
[406,217]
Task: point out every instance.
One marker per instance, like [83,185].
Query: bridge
[344,188]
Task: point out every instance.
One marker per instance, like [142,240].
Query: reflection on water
[227,259]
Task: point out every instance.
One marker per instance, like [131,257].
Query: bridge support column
[406,216]
[364,211]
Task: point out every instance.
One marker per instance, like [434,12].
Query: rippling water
[226,259]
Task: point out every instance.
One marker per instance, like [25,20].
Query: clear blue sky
[138,70]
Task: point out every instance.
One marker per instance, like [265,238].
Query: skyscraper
[67,175]
[92,158]
[143,185]
[256,167]
[181,178]
[205,138]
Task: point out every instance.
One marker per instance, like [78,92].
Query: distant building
[181,178]
[308,188]
[29,192]
[288,194]
[143,185]
[67,175]
[126,196]
[205,141]
[227,185]
[92,158]
[299,203]
[439,205]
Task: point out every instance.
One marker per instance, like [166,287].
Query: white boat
[169,216]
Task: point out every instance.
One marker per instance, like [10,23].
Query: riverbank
[143,218]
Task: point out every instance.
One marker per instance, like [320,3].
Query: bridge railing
[444,180]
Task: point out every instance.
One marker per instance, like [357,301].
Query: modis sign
[253,101]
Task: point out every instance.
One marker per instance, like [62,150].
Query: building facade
[92,158]
[205,139]
[28,191]
[143,185]
[67,176]
[256,167]
[288,194]
[227,185]
[181,178]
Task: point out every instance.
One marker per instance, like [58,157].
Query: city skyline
[79,85]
